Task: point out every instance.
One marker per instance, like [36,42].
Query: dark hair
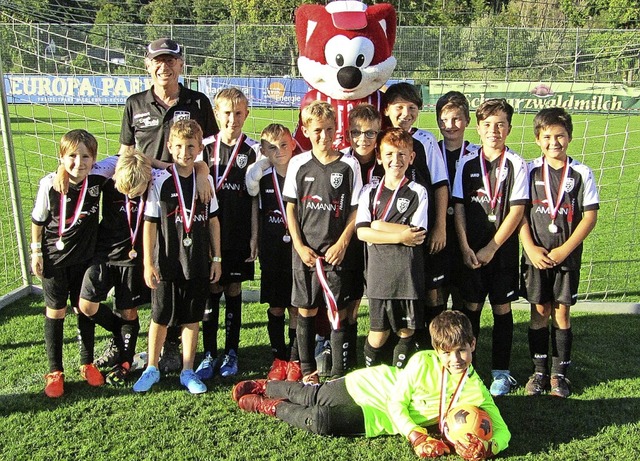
[491,106]
[396,137]
[405,91]
[450,330]
[364,112]
[73,138]
[453,99]
[552,116]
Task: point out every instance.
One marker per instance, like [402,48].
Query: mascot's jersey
[342,108]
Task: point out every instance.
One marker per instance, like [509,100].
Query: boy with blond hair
[321,190]
[181,236]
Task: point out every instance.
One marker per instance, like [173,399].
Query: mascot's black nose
[349,77]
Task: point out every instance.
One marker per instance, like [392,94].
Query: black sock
[402,352]
[294,356]
[339,351]
[233,322]
[129,333]
[539,349]
[86,338]
[107,319]
[474,318]
[371,354]
[352,358]
[275,329]
[173,334]
[53,341]
[561,343]
[292,345]
[306,335]
[502,340]
[210,325]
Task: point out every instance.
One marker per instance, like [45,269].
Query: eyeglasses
[369,134]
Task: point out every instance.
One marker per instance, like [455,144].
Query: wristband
[36,246]
[216,259]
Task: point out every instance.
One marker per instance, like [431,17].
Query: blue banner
[261,92]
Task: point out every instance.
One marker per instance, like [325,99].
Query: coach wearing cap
[148,115]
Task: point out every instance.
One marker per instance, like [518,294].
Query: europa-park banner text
[533,96]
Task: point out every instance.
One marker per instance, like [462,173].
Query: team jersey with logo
[396,400]
[80,237]
[275,254]
[325,196]
[342,108]
[371,172]
[579,195]
[469,189]
[231,190]
[171,257]
[394,271]
[146,122]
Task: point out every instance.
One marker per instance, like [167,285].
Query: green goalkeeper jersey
[395,401]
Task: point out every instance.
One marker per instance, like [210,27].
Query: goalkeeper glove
[474,449]
[427,447]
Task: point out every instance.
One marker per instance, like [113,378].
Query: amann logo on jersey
[200,217]
[231,186]
[275,217]
[314,202]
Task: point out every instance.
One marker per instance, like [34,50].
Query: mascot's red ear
[385,15]
[307,18]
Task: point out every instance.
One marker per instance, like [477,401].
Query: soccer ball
[467,419]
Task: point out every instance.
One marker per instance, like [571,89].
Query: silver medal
[133,254]
[450,211]
[286,238]
[60,245]
[492,217]
[187,242]
[553,228]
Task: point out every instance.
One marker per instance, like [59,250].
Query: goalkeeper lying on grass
[386,400]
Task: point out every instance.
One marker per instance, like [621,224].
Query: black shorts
[544,286]
[436,269]
[128,282]
[60,285]
[395,314]
[235,269]
[179,302]
[275,288]
[499,283]
[307,292]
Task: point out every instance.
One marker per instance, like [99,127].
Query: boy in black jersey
[277,144]
[490,191]
[63,239]
[321,190]
[118,260]
[392,219]
[180,237]
[403,105]
[562,211]
[232,153]
[452,114]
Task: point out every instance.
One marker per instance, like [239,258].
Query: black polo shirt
[146,123]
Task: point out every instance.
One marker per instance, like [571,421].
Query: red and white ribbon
[493,195]
[216,160]
[187,216]
[62,226]
[553,208]
[276,188]
[387,208]
[442,414]
[329,297]
[134,233]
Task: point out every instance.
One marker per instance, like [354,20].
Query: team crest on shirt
[181,115]
[94,191]
[502,173]
[336,180]
[242,160]
[569,185]
[402,204]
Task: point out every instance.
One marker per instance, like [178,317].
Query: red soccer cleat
[253,387]
[278,371]
[258,404]
[55,384]
[294,373]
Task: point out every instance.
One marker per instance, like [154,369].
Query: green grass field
[601,421]
[609,144]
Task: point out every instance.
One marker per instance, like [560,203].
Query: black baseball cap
[164,46]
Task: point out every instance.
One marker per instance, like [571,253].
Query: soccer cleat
[110,357]
[171,358]
[229,365]
[149,377]
[323,356]
[560,386]
[207,367]
[538,384]
[190,380]
[311,379]
[258,404]
[257,387]
[54,386]
[502,382]
[140,361]
[118,375]
[91,375]
[278,370]
[294,373]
